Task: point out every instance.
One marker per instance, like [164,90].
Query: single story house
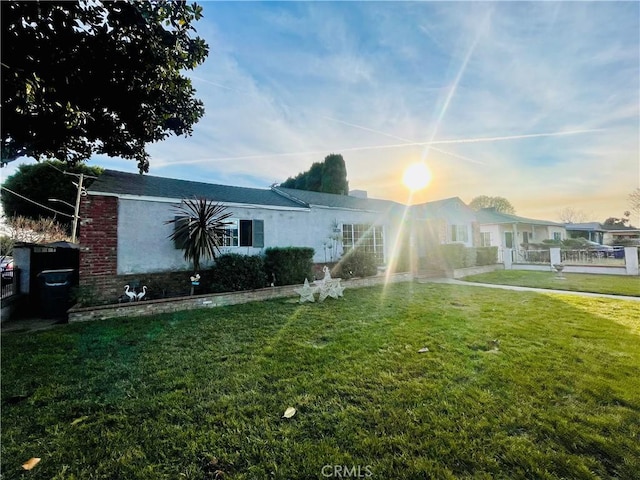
[444,222]
[511,231]
[591,231]
[616,234]
[123,231]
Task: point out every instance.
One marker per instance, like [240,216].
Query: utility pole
[81,192]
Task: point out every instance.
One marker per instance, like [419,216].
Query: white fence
[620,262]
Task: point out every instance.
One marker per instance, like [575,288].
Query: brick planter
[168,305]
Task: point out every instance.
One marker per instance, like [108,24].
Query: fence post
[554,254]
[507,258]
[631,260]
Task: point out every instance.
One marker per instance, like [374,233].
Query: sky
[535,102]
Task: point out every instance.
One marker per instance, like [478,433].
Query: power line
[36,203]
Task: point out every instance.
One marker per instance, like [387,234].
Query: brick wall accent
[99,243]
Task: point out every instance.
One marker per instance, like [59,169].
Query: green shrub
[550,242]
[233,272]
[358,263]
[486,255]
[574,243]
[288,265]
[454,255]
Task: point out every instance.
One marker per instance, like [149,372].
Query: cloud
[288,83]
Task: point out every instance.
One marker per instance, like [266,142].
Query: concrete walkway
[452,281]
[29,324]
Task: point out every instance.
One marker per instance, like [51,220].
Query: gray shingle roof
[339,201]
[589,226]
[452,209]
[121,183]
[491,216]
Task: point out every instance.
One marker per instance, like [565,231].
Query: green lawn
[200,394]
[579,282]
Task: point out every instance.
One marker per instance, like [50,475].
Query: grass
[578,282]
[200,394]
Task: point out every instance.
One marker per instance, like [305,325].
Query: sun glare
[417,176]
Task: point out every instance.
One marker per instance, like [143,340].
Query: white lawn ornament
[328,287]
[327,274]
[306,292]
[131,294]
[141,295]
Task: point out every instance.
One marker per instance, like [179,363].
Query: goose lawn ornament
[130,294]
[141,295]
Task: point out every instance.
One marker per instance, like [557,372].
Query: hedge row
[278,266]
[458,256]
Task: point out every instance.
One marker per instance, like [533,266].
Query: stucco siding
[144,244]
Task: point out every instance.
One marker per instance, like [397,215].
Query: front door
[508,239]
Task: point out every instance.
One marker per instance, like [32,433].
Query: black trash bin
[55,292]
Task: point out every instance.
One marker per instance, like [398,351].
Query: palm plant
[199,229]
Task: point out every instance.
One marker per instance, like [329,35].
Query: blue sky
[535,102]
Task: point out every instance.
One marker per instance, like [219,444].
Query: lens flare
[416,176]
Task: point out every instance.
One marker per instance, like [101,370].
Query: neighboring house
[615,234]
[591,231]
[511,231]
[123,229]
[444,222]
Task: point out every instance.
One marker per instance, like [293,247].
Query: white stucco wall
[494,233]
[144,246]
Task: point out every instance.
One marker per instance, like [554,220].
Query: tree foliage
[501,204]
[39,182]
[199,229]
[97,77]
[618,222]
[329,176]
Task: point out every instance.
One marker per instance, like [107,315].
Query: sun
[417,176]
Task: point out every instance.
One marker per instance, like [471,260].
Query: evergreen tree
[329,176]
[334,175]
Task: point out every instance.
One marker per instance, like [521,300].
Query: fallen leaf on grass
[80,419]
[29,464]
[289,412]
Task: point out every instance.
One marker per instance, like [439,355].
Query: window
[459,233]
[369,238]
[525,238]
[557,236]
[485,239]
[244,233]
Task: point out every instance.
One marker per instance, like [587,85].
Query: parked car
[6,266]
